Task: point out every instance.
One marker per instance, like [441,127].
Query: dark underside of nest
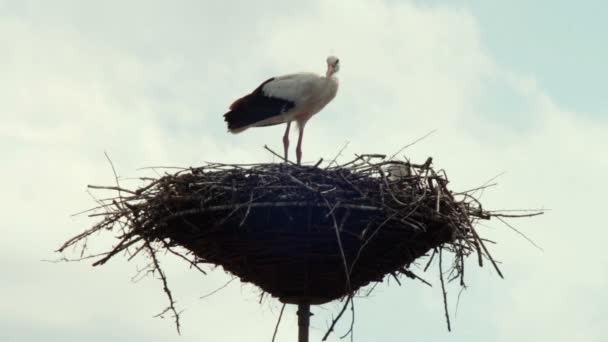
[303,234]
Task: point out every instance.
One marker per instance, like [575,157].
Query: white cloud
[148,83]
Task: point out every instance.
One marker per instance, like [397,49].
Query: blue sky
[513,87]
[561,43]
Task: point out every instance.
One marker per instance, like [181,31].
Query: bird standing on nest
[283,99]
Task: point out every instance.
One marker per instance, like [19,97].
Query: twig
[445,299]
[281,157]
[335,320]
[430,260]
[165,287]
[412,275]
[498,215]
[475,189]
[218,289]
[340,247]
[181,256]
[410,144]
[462,288]
[520,233]
[483,186]
[276,328]
[351,329]
[117,188]
[114,172]
[338,155]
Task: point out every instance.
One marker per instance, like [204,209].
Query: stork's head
[333,65]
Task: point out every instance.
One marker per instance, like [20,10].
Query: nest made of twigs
[303,234]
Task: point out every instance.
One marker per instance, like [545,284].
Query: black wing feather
[255,107]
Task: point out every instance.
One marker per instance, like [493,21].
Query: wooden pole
[303,322]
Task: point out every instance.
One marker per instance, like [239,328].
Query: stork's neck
[331,78]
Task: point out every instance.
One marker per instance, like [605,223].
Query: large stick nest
[303,234]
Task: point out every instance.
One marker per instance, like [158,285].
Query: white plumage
[294,97]
[397,172]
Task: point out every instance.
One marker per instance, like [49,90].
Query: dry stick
[139,249]
[352,265]
[412,143]
[276,154]
[445,299]
[346,270]
[430,260]
[475,189]
[113,171]
[101,206]
[107,213]
[117,188]
[337,229]
[83,235]
[165,286]
[413,275]
[120,205]
[248,210]
[338,155]
[147,269]
[438,203]
[276,328]
[147,187]
[333,208]
[162,167]
[518,210]
[462,270]
[368,294]
[520,233]
[339,240]
[462,288]
[119,248]
[485,249]
[335,320]
[394,275]
[498,215]
[191,262]
[479,253]
[351,330]
[482,188]
[299,182]
[218,289]
[354,161]
[64,259]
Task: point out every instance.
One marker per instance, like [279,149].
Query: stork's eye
[336,62]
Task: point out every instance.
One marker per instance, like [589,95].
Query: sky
[512,88]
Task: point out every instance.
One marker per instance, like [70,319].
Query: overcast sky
[516,88]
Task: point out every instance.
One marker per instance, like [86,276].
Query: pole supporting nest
[303,322]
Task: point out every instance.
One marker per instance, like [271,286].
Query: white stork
[283,99]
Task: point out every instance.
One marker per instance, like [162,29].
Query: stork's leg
[286,140]
[299,147]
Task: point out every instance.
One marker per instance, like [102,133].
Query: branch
[171,306]
[445,299]
[276,328]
